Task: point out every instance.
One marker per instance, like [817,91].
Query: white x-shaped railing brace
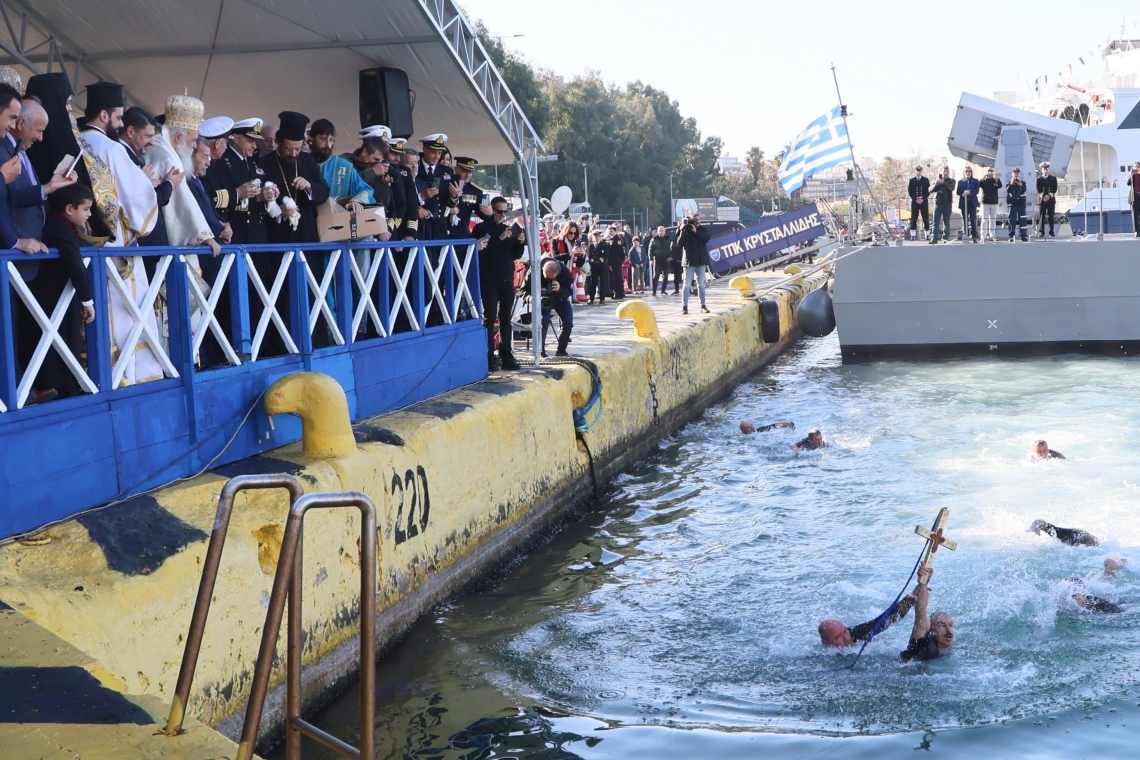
[366,303]
[401,280]
[321,304]
[434,273]
[140,325]
[269,301]
[207,307]
[462,291]
[50,328]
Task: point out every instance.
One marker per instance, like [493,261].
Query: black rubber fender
[770,321]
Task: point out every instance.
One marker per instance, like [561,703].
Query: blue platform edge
[60,458]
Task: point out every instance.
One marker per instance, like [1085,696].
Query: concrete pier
[461,482]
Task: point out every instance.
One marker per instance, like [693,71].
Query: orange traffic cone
[580,288]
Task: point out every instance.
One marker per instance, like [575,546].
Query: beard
[186,155]
[112,133]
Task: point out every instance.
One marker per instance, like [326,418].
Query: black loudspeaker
[386,98]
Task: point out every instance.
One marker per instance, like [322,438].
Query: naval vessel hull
[922,301]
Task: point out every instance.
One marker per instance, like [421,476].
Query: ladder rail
[209,579]
[287,588]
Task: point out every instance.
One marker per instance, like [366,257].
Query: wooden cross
[936,540]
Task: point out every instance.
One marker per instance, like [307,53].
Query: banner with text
[764,238]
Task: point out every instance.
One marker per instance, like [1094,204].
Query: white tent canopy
[255,58]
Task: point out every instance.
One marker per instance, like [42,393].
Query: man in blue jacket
[968,189]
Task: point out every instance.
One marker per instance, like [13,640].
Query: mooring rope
[580,423]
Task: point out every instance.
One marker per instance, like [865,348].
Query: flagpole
[851,146]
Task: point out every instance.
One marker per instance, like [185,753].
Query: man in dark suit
[211,354]
[403,174]
[23,219]
[137,135]
[919,191]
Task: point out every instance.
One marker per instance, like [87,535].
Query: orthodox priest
[299,181]
[126,198]
[303,188]
[173,148]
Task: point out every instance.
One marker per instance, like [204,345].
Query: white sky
[756,72]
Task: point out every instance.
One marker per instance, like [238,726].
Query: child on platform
[70,209]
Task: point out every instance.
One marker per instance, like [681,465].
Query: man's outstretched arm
[863,630]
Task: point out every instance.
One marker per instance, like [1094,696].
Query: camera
[548,297]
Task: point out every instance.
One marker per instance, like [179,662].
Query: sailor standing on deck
[968,189]
[919,191]
[943,190]
[1046,199]
[1134,196]
[1015,194]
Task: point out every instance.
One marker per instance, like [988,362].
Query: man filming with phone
[500,246]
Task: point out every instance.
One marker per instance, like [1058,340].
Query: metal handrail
[209,578]
[287,587]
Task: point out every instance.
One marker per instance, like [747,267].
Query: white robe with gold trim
[136,211]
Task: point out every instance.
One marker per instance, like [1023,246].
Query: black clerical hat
[104,96]
[292,125]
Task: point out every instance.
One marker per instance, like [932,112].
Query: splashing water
[690,597]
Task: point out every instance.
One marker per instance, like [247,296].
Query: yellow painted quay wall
[460,482]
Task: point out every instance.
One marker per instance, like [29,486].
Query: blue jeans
[689,272]
[942,213]
[566,316]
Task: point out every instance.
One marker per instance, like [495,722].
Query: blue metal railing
[392,322]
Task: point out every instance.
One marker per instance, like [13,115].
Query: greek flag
[823,144]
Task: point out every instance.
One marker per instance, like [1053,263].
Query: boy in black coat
[69,209]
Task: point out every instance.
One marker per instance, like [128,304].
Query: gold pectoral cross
[936,539]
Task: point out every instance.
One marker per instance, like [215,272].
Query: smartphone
[437,183]
[74,163]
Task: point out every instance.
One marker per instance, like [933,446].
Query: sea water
[677,617]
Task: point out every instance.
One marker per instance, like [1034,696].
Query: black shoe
[1051,234]
[509,362]
[684,309]
[932,242]
[705,309]
[1025,239]
[543,354]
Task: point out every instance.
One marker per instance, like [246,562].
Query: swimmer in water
[932,635]
[1087,601]
[1113,565]
[833,633]
[748,428]
[1041,450]
[813,441]
[1070,536]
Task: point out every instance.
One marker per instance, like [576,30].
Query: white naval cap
[249,128]
[216,127]
[436,141]
[378,130]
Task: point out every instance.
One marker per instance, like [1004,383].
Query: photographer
[500,246]
[557,287]
[991,183]
[693,241]
[943,190]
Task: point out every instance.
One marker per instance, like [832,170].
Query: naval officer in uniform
[1046,199]
[235,185]
[468,198]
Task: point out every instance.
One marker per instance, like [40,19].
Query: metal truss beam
[61,53]
[484,78]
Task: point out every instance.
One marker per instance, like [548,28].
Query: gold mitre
[184,112]
[9,75]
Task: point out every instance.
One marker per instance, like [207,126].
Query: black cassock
[282,173]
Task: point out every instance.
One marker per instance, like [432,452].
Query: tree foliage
[631,139]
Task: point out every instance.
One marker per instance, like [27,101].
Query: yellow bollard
[744,284]
[644,320]
[326,429]
[792,269]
